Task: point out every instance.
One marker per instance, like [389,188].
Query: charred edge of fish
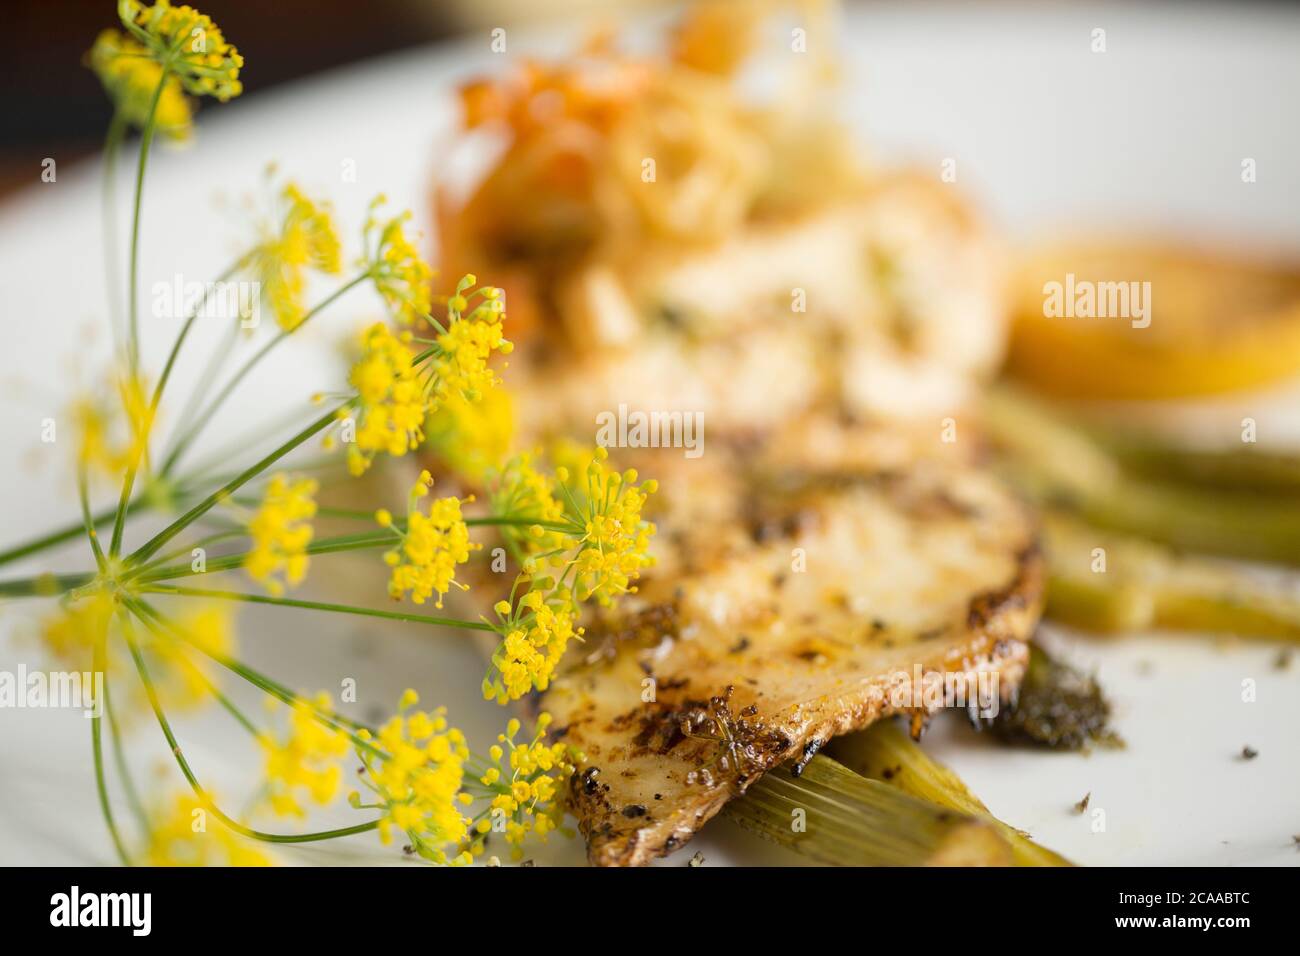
[809,751]
[1024,590]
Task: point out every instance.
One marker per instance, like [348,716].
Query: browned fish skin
[752,663]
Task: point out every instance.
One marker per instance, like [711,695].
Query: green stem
[112,147]
[146,140]
[186,328]
[142,503]
[886,753]
[53,538]
[230,487]
[523,522]
[320,606]
[128,485]
[160,562]
[319,463]
[73,531]
[123,769]
[229,705]
[155,619]
[97,744]
[206,415]
[232,562]
[216,361]
[87,521]
[202,794]
[44,585]
[63,535]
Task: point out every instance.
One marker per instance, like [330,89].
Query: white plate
[1048,135]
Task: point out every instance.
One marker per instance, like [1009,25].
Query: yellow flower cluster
[615,542]
[398,388]
[130,78]
[307,760]
[400,275]
[188,835]
[183,675]
[522,488]
[472,438]
[392,399]
[304,238]
[536,630]
[95,446]
[417,781]
[281,532]
[460,363]
[596,543]
[432,546]
[525,780]
[186,43]
[70,633]
[111,437]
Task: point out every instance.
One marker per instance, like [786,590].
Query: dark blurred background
[52,105]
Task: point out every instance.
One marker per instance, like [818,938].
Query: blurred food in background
[1227,321]
[699,246]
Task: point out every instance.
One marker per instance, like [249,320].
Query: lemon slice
[1116,320]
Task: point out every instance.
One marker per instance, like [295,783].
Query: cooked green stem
[833,815]
[1056,463]
[1244,468]
[885,752]
[1142,586]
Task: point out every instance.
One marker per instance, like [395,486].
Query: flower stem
[160,562]
[44,585]
[128,484]
[231,562]
[123,769]
[200,792]
[230,487]
[97,745]
[86,520]
[112,147]
[204,417]
[64,534]
[185,331]
[146,140]
[525,522]
[154,620]
[319,606]
[216,361]
[229,705]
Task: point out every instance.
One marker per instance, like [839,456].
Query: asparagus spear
[1248,468]
[885,752]
[833,815]
[1058,464]
[1144,586]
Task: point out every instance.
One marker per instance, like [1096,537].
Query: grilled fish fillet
[886,308]
[807,605]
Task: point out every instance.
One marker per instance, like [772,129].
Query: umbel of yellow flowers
[164,53]
[579,539]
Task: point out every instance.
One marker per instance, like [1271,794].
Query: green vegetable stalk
[833,815]
[885,752]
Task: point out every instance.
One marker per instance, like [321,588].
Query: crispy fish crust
[813,617]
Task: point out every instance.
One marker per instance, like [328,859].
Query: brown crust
[998,624]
